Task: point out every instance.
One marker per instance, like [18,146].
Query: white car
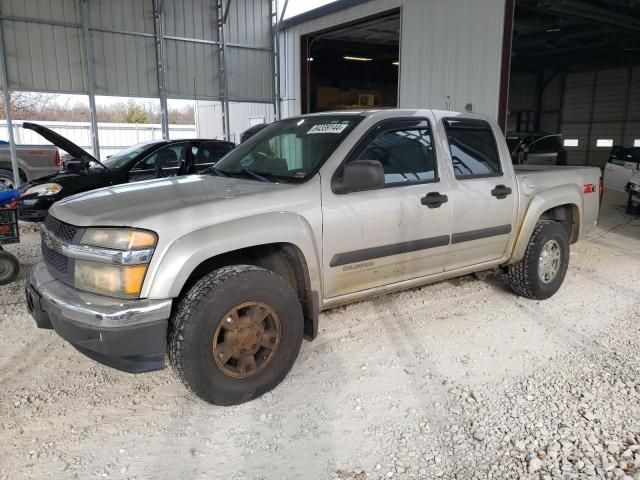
[622,165]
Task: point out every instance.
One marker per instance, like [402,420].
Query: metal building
[212,50]
[448,55]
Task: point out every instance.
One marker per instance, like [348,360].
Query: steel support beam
[274,58]
[225,13]
[7,109]
[89,73]
[160,66]
[284,10]
[224,78]
[594,86]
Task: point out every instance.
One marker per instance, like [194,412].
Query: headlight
[119,239]
[113,261]
[111,280]
[44,190]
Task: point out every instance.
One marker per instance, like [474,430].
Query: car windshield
[120,159]
[288,150]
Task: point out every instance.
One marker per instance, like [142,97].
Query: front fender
[554,197]
[181,257]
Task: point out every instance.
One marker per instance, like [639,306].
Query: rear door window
[473,147]
[209,153]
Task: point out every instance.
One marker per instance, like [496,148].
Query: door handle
[501,192]
[434,199]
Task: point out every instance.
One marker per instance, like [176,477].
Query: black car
[81,172]
[536,148]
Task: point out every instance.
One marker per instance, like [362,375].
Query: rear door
[622,165]
[483,199]
[165,161]
[397,232]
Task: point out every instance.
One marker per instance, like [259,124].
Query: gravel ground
[460,379]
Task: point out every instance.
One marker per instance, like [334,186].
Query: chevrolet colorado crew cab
[228,270]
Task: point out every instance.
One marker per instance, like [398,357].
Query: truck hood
[141,204]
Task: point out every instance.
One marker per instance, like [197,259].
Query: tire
[197,330]
[526,276]
[9,267]
[6,179]
[630,207]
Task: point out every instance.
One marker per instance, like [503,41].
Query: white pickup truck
[228,271]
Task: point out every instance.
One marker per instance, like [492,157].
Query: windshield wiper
[216,172]
[256,176]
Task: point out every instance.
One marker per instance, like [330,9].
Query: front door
[394,233]
[483,197]
[544,151]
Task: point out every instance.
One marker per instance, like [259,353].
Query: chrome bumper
[129,335]
[95,310]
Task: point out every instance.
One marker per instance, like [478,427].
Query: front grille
[55,261]
[62,230]
[61,267]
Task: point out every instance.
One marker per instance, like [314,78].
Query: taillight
[601,190]
[58,160]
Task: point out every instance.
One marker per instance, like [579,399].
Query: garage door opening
[575,74]
[352,66]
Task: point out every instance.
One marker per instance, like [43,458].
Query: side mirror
[360,175]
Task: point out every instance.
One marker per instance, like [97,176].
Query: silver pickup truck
[228,271]
[34,161]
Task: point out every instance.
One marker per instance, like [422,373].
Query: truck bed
[542,180]
[34,161]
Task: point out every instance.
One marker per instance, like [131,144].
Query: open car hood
[59,141]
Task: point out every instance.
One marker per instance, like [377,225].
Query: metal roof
[321,12]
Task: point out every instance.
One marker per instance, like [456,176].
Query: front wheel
[541,271]
[236,334]
[9,267]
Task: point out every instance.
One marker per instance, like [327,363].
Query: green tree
[130,113]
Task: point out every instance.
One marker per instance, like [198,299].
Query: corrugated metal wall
[124,64]
[447,49]
[595,105]
[242,115]
[601,105]
[45,48]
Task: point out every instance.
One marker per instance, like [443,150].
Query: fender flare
[561,195]
[169,272]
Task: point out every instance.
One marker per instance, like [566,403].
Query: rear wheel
[541,272]
[9,267]
[236,334]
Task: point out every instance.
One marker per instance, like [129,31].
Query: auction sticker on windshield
[328,128]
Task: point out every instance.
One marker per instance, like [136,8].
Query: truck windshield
[288,150]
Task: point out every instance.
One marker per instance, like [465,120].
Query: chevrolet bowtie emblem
[49,240]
